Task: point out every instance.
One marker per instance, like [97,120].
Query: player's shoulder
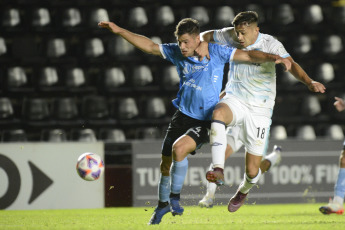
[268,37]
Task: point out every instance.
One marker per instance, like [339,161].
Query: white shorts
[250,126]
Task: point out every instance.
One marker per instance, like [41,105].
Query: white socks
[211,187]
[218,143]
[248,183]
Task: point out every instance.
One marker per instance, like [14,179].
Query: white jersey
[254,84]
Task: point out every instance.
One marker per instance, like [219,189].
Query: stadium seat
[41,17]
[119,47]
[156,39]
[142,75]
[148,133]
[287,79]
[112,135]
[334,132]
[338,17]
[283,14]
[6,108]
[312,15]
[278,132]
[170,77]
[137,17]
[310,106]
[16,77]
[48,77]
[84,135]
[56,48]
[11,17]
[35,109]
[14,135]
[114,77]
[71,17]
[199,13]
[258,9]
[324,72]
[155,108]
[54,135]
[98,15]
[224,16]
[302,45]
[75,78]
[306,132]
[94,108]
[94,47]
[65,108]
[3,47]
[332,45]
[127,109]
[164,16]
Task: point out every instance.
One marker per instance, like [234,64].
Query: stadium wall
[43,176]
[307,173]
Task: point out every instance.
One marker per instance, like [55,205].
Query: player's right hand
[112,27]
[202,51]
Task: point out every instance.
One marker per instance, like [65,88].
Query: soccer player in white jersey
[336,205]
[249,101]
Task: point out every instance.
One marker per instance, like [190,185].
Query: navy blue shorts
[181,124]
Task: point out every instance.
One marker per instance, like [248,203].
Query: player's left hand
[285,62]
[202,51]
[316,87]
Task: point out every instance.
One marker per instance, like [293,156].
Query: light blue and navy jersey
[200,81]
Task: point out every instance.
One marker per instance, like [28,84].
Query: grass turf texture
[291,216]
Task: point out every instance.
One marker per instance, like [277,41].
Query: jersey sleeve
[168,51]
[277,48]
[222,52]
[222,36]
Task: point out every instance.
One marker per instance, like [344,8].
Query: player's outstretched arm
[339,104]
[141,42]
[302,76]
[261,57]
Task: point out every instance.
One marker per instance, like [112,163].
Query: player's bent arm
[302,76]
[207,36]
[139,41]
[261,57]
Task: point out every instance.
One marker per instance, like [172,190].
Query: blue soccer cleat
[176,208]
[158,214]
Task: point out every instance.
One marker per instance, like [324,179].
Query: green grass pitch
[291,216]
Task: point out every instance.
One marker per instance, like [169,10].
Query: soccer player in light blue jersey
[248,104]
[336,205]
[199,89]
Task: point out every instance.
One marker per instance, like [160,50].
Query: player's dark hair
[187,26]
[245,17]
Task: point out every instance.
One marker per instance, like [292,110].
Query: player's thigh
[200,134]
[237,108]
[223,112]
[182,147]
[233,139]
[256,136]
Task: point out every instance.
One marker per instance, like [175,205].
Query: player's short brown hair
[245,17]
[187,26]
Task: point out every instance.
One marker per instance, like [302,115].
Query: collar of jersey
[257,40]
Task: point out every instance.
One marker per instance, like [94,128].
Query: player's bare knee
[178,151]
[252,173]
[218,114]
